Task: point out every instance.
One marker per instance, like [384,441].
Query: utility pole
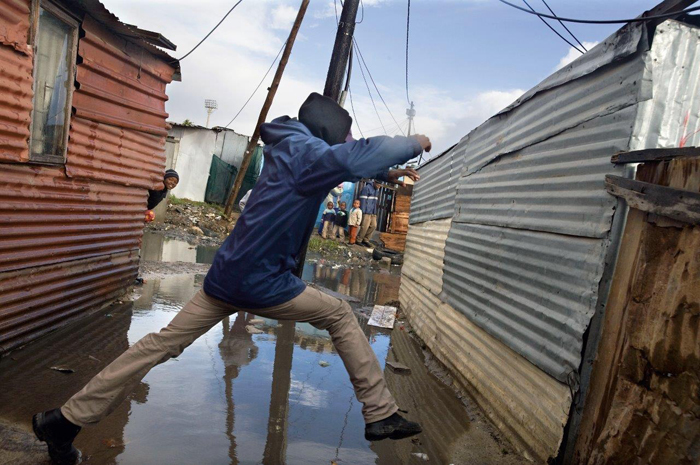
[271,91]
[334,82]
[341,49]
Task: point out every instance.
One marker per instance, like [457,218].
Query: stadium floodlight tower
[210,105]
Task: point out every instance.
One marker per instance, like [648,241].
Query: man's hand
[424,142]
[394,175]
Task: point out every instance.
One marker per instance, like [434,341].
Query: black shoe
[394,427]
[58,433]
[366,244]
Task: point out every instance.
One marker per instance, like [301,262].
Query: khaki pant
[327,229]
[369,224]
[108,388]
[338,231]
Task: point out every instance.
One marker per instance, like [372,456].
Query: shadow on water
[238,398]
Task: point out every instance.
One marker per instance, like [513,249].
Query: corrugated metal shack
[82,137]
[513,238]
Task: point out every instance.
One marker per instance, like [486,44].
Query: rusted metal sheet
[14,24]
[116,155]
[35,301]
[47,218]
[425,252]
[119,124]
[529,407]
[15,81]
[642,403]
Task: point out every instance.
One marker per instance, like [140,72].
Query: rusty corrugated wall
[70,233]
[15,80]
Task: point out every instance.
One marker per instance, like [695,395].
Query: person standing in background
[354,221]
[341,221]
[328,220]
[155,197]
[368,203]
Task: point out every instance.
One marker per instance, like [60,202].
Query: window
[53,85]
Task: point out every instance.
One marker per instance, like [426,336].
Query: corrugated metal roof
[37,300]
[527,405]
[661,121]
[424,253]
[434,194]
[15,81]
[534,291]
[557,185]
[46,218]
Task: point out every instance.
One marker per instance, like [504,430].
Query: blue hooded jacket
[254,268]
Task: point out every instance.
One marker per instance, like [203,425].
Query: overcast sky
[468,58]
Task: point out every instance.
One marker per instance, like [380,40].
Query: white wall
[230,146]
[197,146]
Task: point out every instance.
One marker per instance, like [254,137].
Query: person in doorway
[368,204]
[341,221]
[253,271]
[328,220]
[155,197]
[354,220]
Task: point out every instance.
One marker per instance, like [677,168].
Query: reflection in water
[368,284]
[157,248]
[233,397]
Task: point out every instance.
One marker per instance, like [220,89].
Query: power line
[210,32]
[555,31]
[259,84]
[362,58]
[370,94]
[601,21]
[352,105]
[564,26]
[408,28]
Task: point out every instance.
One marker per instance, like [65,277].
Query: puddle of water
[233,397]
[369,284]
[158,248]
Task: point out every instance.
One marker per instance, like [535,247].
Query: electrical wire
[352,106]
[408,28]
[555,31]
[259,84]
[564,26]
[362,58]
[370,95]
[601,21]
[210,32]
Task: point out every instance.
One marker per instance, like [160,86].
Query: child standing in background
[341,221]
[354,220]
[328,220]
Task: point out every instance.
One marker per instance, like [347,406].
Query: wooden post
[250,150]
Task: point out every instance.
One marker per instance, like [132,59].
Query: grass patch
[319,244]
[178,201]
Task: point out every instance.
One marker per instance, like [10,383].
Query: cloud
[283,17]
[572,54]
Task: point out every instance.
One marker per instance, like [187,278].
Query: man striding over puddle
[253,271]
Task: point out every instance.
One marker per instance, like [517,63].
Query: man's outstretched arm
[352,161]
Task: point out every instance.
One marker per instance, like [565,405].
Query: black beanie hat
[171,174]
[325,119]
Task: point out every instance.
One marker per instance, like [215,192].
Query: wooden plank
[392,241]
[642,156]
[677,204]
